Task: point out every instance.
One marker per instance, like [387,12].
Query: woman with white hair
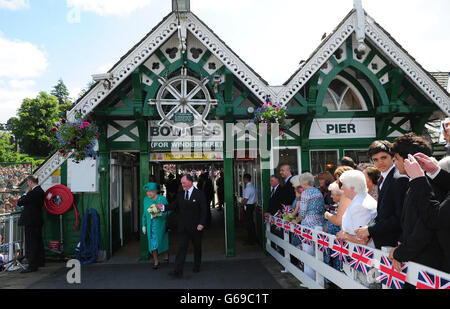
[361,211]
[312,208]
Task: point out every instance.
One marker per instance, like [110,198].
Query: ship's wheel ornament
[183,101]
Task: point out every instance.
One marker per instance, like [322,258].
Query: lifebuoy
[59,200]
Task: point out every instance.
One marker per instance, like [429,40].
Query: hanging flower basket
[76,140]
[271,114]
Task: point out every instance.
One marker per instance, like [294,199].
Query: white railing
[345,279]
[12,244]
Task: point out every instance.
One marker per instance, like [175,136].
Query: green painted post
[144,178]
[229,203]
[228,173]
[104,169]
[266,189]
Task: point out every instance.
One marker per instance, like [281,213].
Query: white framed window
[343,96]
[358,155]
[286,155]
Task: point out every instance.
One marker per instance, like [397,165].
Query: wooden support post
[104,169]
[228,173]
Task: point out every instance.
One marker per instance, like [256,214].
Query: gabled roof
[385,43]
[155,39]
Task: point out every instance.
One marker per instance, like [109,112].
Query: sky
[42,41]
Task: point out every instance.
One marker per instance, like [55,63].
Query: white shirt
[184,196]
[435,174]
[385,175]
[189,192]
[249,194]
[361,212]
[274,190]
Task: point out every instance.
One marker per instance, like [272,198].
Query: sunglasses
[340,185]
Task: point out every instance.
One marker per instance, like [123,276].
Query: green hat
[151,186]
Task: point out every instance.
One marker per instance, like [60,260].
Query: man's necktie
[187,196]
[380,181]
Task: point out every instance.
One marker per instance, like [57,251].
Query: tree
[7,153]
[33,126]
[60,91]
[87,88]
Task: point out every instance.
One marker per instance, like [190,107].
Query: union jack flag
[428,281]
[323,241]
[307,236]
[361,259]
[287,227]
[298,231]
[287,210]
[279,224]
[389,276]
[340,249]
[272,220]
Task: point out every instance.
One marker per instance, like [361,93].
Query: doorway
[253,168]
[214,235]
[124,204]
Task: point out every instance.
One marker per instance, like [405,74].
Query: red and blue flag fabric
[323,242]
[272,221]
[279,224]
[340,249]
[361,259]
[287,227]
[298,231]
[266,219]
[287,210]
[429,281]
[389,276]
[307,236]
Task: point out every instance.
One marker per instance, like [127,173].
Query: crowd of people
[402,202]
[11,176]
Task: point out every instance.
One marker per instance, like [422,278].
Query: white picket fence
[345,279]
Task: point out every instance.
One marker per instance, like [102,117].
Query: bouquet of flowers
[154,211]
[271,114]
[77,139]
[287,213]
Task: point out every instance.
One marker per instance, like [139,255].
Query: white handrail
[345,280]
[14,235]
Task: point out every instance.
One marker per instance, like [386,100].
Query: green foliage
[32,127]
[7,153]
[271,114]
[87,88]
[77,139]
[61,92]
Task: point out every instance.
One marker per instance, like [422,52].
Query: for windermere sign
[343,128]
[168,138]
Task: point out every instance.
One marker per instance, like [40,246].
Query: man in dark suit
[435,215]
[275,197]
[418,243]
[386,229]
[32,220]
[287,190]
[192,215]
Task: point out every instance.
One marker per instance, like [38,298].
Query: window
[289,156]
[343,96]
[323,161]
[359,156]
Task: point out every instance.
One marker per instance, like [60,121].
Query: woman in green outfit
[155,228]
